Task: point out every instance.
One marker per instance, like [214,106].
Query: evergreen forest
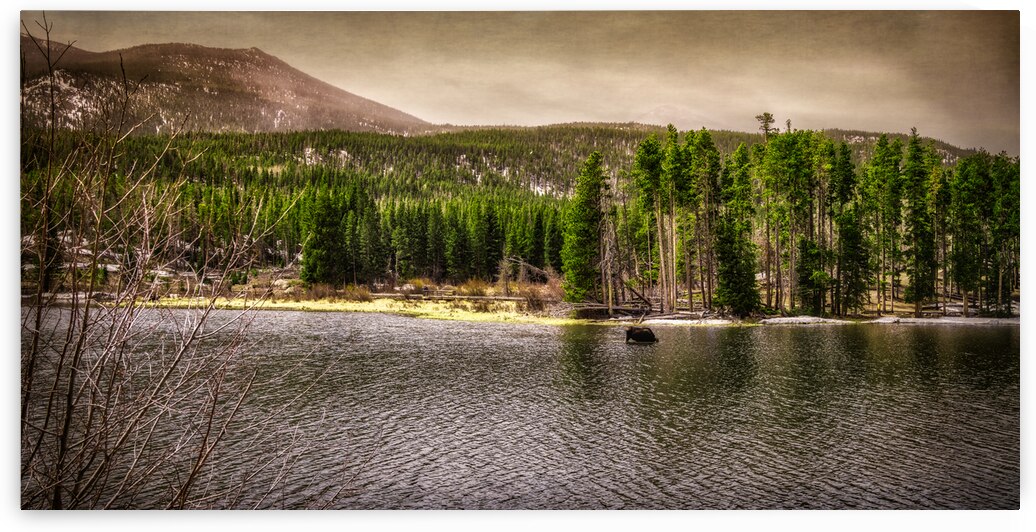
[780,221]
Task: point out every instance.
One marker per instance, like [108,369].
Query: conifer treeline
[794,225]
[791,221]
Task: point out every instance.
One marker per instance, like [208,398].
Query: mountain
[213,89]
[247,90]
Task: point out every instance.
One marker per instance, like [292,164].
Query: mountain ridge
[215,89]
[248,90]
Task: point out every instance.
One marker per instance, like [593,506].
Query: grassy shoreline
[510,312]
[497,311]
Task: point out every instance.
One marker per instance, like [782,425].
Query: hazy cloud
[953,75]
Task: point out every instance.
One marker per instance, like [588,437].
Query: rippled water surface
[407,413]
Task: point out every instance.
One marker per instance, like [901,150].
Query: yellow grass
[496,311]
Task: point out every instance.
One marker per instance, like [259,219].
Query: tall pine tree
[735,252]
[580,253]
[323,257]
[921,262]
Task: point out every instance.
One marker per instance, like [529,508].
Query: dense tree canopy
[778,221]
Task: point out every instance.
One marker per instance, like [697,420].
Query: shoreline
[508,312]
[497,311]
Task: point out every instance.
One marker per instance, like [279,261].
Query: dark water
[432,414]
[405,413]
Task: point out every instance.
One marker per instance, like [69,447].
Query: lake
[390,412]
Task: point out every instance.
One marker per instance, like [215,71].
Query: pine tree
[885,198]
[404,242]
[457,249]
[435,244]
[700,193]
[778,169]
[842,189]
[553,240]
[678,197]
[1004,229]
[854,263]
[965,223]
[323,259]
[647,181]
[735,253]
[580,253]
[939,199]
[921,261]
[372,247]
[534,251]
[813,280]
[765,124]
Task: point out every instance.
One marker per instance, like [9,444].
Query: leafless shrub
[539,296]
[355,293]
[481,306]
[318,291]
[473,287]
[552,290]
[124,405]
[533,297]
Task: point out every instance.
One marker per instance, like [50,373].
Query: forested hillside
[823,222]
[810,223]
[445,206]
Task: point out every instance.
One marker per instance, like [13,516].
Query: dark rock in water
[640,335]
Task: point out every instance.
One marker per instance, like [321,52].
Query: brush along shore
[487,310]
[514,310]
[479,301]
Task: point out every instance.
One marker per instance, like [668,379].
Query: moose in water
[640,335]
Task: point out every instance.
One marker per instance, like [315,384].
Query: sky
[952,74]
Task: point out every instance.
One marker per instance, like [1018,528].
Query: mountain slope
[213,89]
[246,90]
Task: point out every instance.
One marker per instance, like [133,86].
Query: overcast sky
[953,75]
